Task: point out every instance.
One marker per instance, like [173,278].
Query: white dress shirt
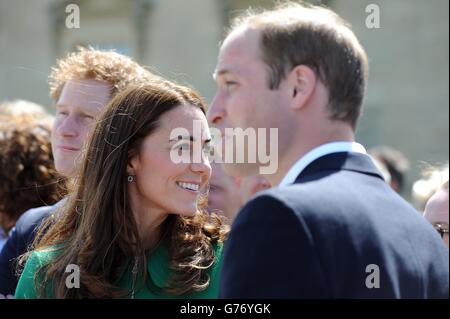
[315,153]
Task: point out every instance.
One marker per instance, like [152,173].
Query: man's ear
[302,82]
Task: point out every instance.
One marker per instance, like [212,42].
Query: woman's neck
[149,222]
[151,232]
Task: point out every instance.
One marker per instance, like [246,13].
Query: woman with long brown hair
[136,225]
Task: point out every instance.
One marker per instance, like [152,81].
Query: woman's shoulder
[44,256]
[26,288]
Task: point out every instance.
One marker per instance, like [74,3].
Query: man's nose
[68,127]
[216,111]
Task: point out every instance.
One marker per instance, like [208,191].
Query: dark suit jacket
[338,232]
[20,239]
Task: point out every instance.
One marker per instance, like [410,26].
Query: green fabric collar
[158,266]
[159,273]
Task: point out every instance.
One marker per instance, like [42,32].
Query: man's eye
[62,113]
[230,83]
[207,148]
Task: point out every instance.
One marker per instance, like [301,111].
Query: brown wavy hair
[106,66]
[97,230]
[28,177]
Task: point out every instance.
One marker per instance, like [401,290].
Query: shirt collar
[315,153]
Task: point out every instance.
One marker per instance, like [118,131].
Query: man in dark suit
[331,228]
[81,85]
[19,241]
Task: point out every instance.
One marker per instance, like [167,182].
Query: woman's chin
[187,211]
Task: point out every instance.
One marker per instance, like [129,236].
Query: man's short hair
[108,66]
[301,34]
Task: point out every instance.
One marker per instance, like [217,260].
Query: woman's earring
[130,178]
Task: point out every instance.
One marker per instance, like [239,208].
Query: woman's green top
[157,277]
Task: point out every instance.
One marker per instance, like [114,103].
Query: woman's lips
[68,148]
[184,185]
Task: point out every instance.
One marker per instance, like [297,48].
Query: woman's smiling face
[163,185]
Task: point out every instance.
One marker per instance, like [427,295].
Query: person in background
[224,195]
[432,179]
[249,186]
[20,108]
[81,84]
[28,177]
[437,210]
[227,194]
[395,163]
[136,224]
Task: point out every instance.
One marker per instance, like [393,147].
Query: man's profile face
[77,108]
[243,98]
